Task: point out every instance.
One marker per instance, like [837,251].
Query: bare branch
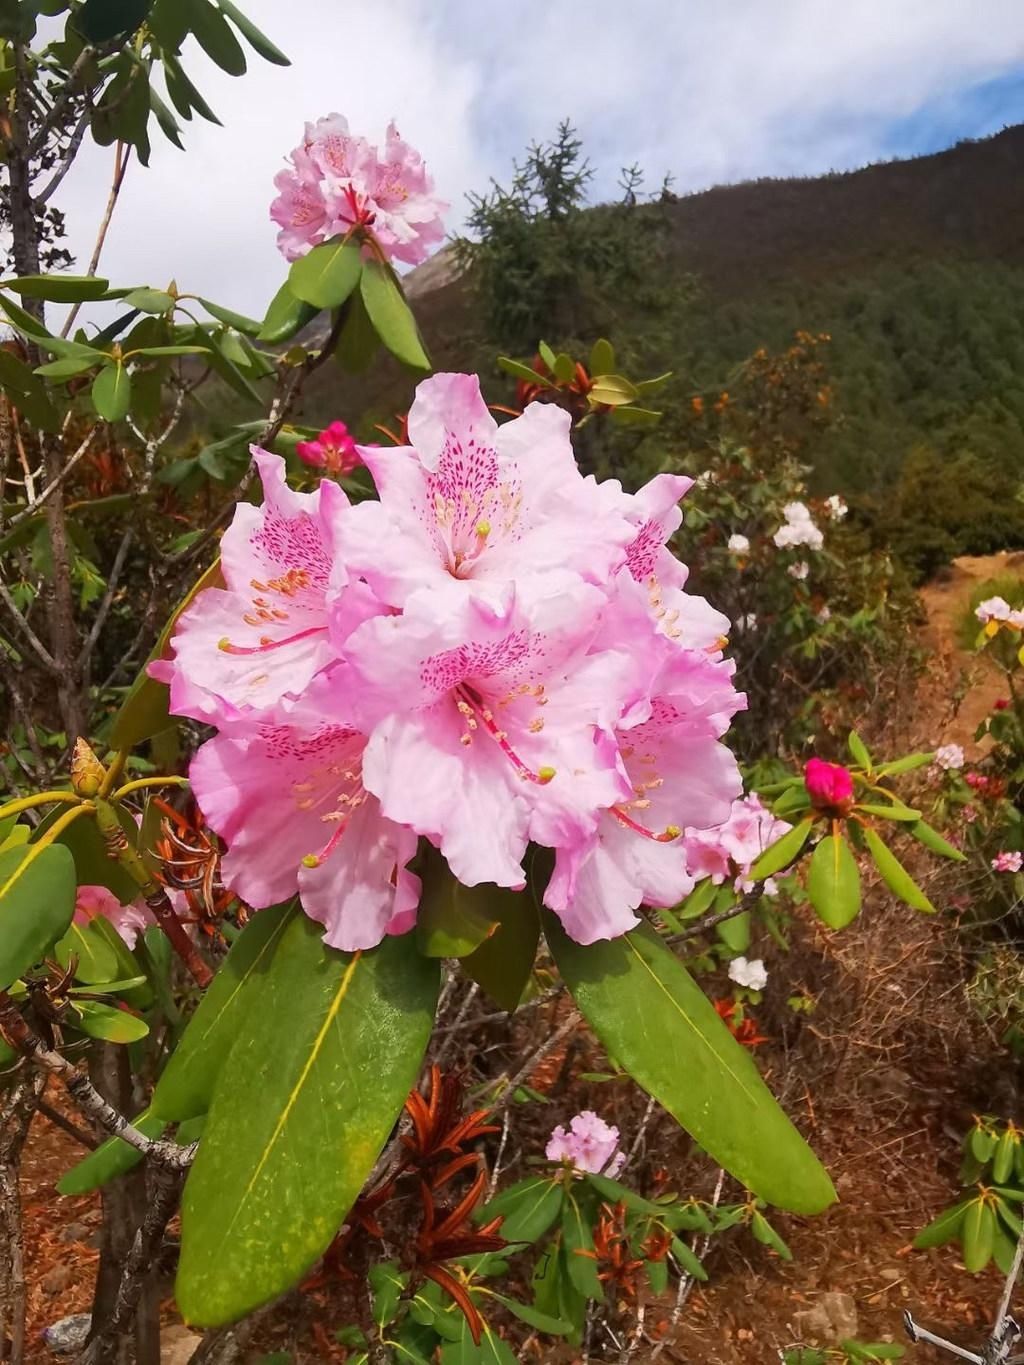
[57,482]
[71,151]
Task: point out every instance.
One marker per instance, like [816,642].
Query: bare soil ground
[882,1076]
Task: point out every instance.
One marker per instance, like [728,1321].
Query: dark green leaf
[150,300]
[503,963]
[358,342]
[976,1234]
[95,961]
[215,37]
[58,288]
[580,1257]
[101,20]
[659,1025]
[903,765]
[525,1312]
[238,321]
[452,920]
[518,370]
[833,882]
[527,1208]
[109,1023]
[783,852]
[166,120]
[37,900]
[767,1236]
[602,358]
[183,93]
[185,1088]
[327,275]
[111,1159]
[93,867]
[391,316]
[932,839]
[257,40]
[301,1110]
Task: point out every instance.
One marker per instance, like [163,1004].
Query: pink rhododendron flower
[1008,861]
[590,1145]
[285,791]
[334,450]
[829,785]
[338,182]
[470,507]
[130,921]
[993,609]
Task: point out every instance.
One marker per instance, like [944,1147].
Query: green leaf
[659,1025]
[613,390]
[525,1312]
[783,852]
[767,1236]
[933,840]
[895,810]
[214,36]
[65,368]
[112,392]
[173,350]
[257,40]
[391,316]
[101,20]
[185,1087]
[109,1023]
[602,358]
[527,1208]
[565,368]
[85,844]
[614,1193]
[833,882]
[688,1259]
[285,316]
[895,875]
[326,276]
[657,1276]
[238,321]
[629,415]
[503,963]
[903,765]
[452,920]
[301,1110]
[58,288]
[387,1284]
[982,1143]
[169,126]
[977,1233]
[1002,1158]
[518,370]
[37,900]
[859,751]
[736,933]
[95,961]
[183,93]
[112,1158]
[580,1257]
[143,712]
[150,300]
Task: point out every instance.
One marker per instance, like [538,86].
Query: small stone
[832,1319]
[891,1274]
[178,1345]
[68,1335]
[55,1281]
[75,1232]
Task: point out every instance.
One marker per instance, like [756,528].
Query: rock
[832,1319]
[55,1281]
[178,1345]
[68,1335]
[891,1274]
[75,1232]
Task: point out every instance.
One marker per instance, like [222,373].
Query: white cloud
[710,91]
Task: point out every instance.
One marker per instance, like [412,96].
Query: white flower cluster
[837,508]
[738,545]
[751,974]
[798,529]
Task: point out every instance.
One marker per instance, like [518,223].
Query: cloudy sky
[709,91]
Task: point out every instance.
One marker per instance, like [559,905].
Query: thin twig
[71,151]
[55,483]
[122,155]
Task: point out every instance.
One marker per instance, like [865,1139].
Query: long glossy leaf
[933,840]
[391,316]
[895,875]
[112,392]
[503,963]
[783,851]
[95,960]
[37,900]
[256,39]
[833,882]
[285,316]
[58,288]
[215,37]
[185,1087]
[301,1110]
[327,275]
[112,1158]
[658,1024]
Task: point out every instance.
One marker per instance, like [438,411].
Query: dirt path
[953,671]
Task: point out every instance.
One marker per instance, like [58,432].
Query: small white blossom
[837,508]
[738,545]
[993,609]
[800,570]
[823,615]
[748,622]
[706,479]
[753,974]
[949,757]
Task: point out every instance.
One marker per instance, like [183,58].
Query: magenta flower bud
[829,785]
[333,450]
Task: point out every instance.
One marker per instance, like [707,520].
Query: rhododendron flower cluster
[949,757]
[334,450]
[995,612]
[338,182]
[590,1145]
[731,848]
[836,507]
[496,652]
[1008,861]
[798,528]
[751,974]
[738,545]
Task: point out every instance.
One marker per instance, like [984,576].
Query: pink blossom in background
[829,785]
[949,757]
[993,609]
[732,847]
[337,182]
[333,450]
[498,651]
[130,921]
[1008,862]
[590,1145]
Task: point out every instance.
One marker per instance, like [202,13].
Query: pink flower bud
[1001,704]
[333,450]
[829,785]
